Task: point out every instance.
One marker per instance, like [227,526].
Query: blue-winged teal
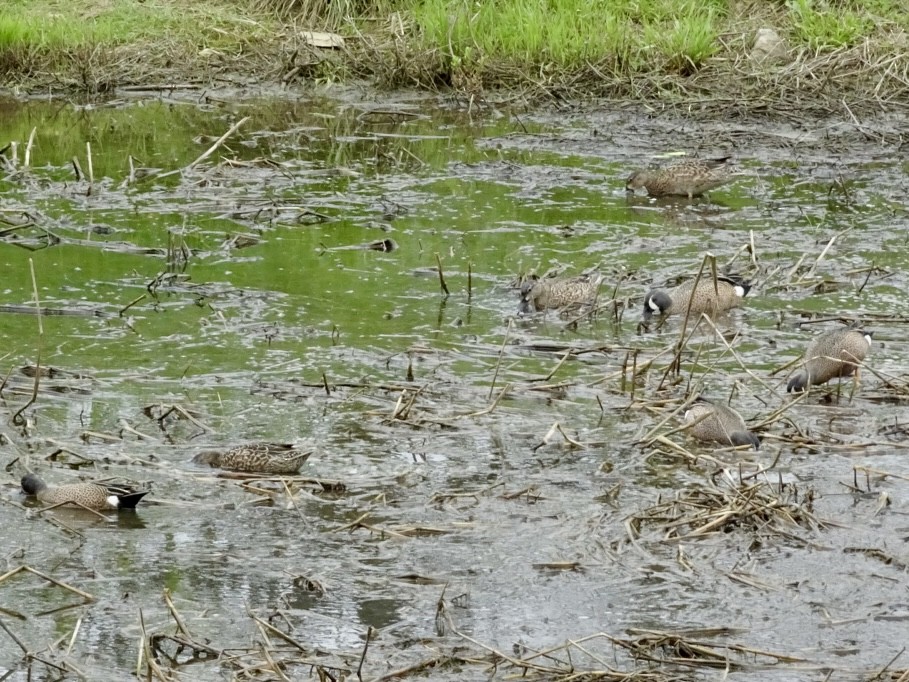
[90,495]
[558,292]
[719,423]
[705,298]
[687,178]
[261,458]
[830,355]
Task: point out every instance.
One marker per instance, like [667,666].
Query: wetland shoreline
[717,60]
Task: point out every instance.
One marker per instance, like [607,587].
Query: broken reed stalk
[325,385]
[204,155]
[275,631]
[145,652]
[677,361]
[470,280]
[211,150]
[716,283]
[649,436]
[686,426]
[739,360]
[44,576]
[72,639]
[130,304]
[13,637]
[442,276]
[624,372]
[363,653]
[823,253]
[675,364]
[72,504]
[28,149]
[293,501]
[634,371]
[567,354]
[499,359]
[17,418]
[867,277]
[181,626]
[91,168]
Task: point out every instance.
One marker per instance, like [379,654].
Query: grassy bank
[93,46]
[647,49]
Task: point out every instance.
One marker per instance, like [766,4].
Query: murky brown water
[229,291]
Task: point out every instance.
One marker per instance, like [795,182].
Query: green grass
[819,26]
[636,47]
[66,24]
[626,34]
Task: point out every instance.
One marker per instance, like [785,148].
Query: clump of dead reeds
[698,512]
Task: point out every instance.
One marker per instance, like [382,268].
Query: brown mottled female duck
[260,458]
[719,423]
[687,178]
[830,355]
[90,495]
[558,292]
[706,297]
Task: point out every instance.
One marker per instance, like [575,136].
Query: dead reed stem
[91,167]
[28,149]
[495,374]
[17,418]
[442,276]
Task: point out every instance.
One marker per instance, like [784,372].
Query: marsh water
[236,301]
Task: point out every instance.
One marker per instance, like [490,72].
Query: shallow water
[231,291]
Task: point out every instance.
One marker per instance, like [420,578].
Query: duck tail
[130,500]
[745,438]
[209,457]
[798,382]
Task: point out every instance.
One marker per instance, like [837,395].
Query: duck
[687,178]
[91,495]
[719,423]
[558,292]
[260,458]
[830,355]
[728,293]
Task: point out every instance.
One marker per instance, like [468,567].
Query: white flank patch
[868,339]
[740,291]
[113,501]
[688,416]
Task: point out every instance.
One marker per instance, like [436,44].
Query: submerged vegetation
[645,49]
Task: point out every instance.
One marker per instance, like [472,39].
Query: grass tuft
[687,44]
[820,27]
[623,34]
